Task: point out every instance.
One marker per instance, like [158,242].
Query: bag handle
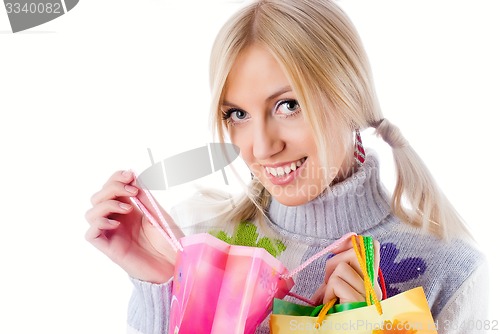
[365,255]
[336,244]
[365,258]
[313,258]
[163,227]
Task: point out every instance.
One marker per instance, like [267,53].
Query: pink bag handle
[316,256]
[164,228]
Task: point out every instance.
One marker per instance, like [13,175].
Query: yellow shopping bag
[405,313]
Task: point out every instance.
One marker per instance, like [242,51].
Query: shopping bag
[218,287]
[405,313]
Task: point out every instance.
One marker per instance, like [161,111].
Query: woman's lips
[285,174]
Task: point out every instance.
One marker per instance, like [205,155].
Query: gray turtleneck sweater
[453,274]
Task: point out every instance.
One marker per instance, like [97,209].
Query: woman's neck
[356,204]
[348,168]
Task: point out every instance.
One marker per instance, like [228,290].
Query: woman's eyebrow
[229,104]
[279,92]
[283,90]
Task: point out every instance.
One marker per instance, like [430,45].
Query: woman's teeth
[285,170]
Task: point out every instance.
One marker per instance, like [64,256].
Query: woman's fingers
[124,176]
[349,256]
[344,277]
[105,209]
[318,296]
[103,224]
[346,257]
[96,234]
[346,284]
[113,189]
[337,287]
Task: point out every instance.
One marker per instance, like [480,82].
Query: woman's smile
[284,173]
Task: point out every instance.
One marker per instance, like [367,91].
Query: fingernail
[125,206]
[131,189]
[113,222]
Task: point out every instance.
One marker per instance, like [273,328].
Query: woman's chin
[293,200]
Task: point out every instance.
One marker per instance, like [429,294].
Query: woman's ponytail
[417,199]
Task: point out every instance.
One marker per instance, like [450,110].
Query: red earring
[359,151]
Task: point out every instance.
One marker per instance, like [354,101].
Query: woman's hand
[119,230]
[344,278]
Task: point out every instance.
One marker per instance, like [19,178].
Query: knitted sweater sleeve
[149,307]
[467,310]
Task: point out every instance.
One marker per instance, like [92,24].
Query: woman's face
[266,122]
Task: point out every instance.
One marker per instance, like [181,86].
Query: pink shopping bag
[220,287]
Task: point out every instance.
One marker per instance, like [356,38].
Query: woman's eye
[288,107]
[235,115]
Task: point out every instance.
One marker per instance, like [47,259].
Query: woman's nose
[266,141]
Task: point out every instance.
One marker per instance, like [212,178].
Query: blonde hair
[320,51]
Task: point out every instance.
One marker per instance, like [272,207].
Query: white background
[88,93]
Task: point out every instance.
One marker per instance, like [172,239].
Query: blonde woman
[292,88]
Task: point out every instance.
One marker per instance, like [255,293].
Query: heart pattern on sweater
[394,272]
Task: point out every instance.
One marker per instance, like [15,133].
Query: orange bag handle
[364,254]
[371,296]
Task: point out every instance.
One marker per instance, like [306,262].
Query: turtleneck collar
[354,205]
